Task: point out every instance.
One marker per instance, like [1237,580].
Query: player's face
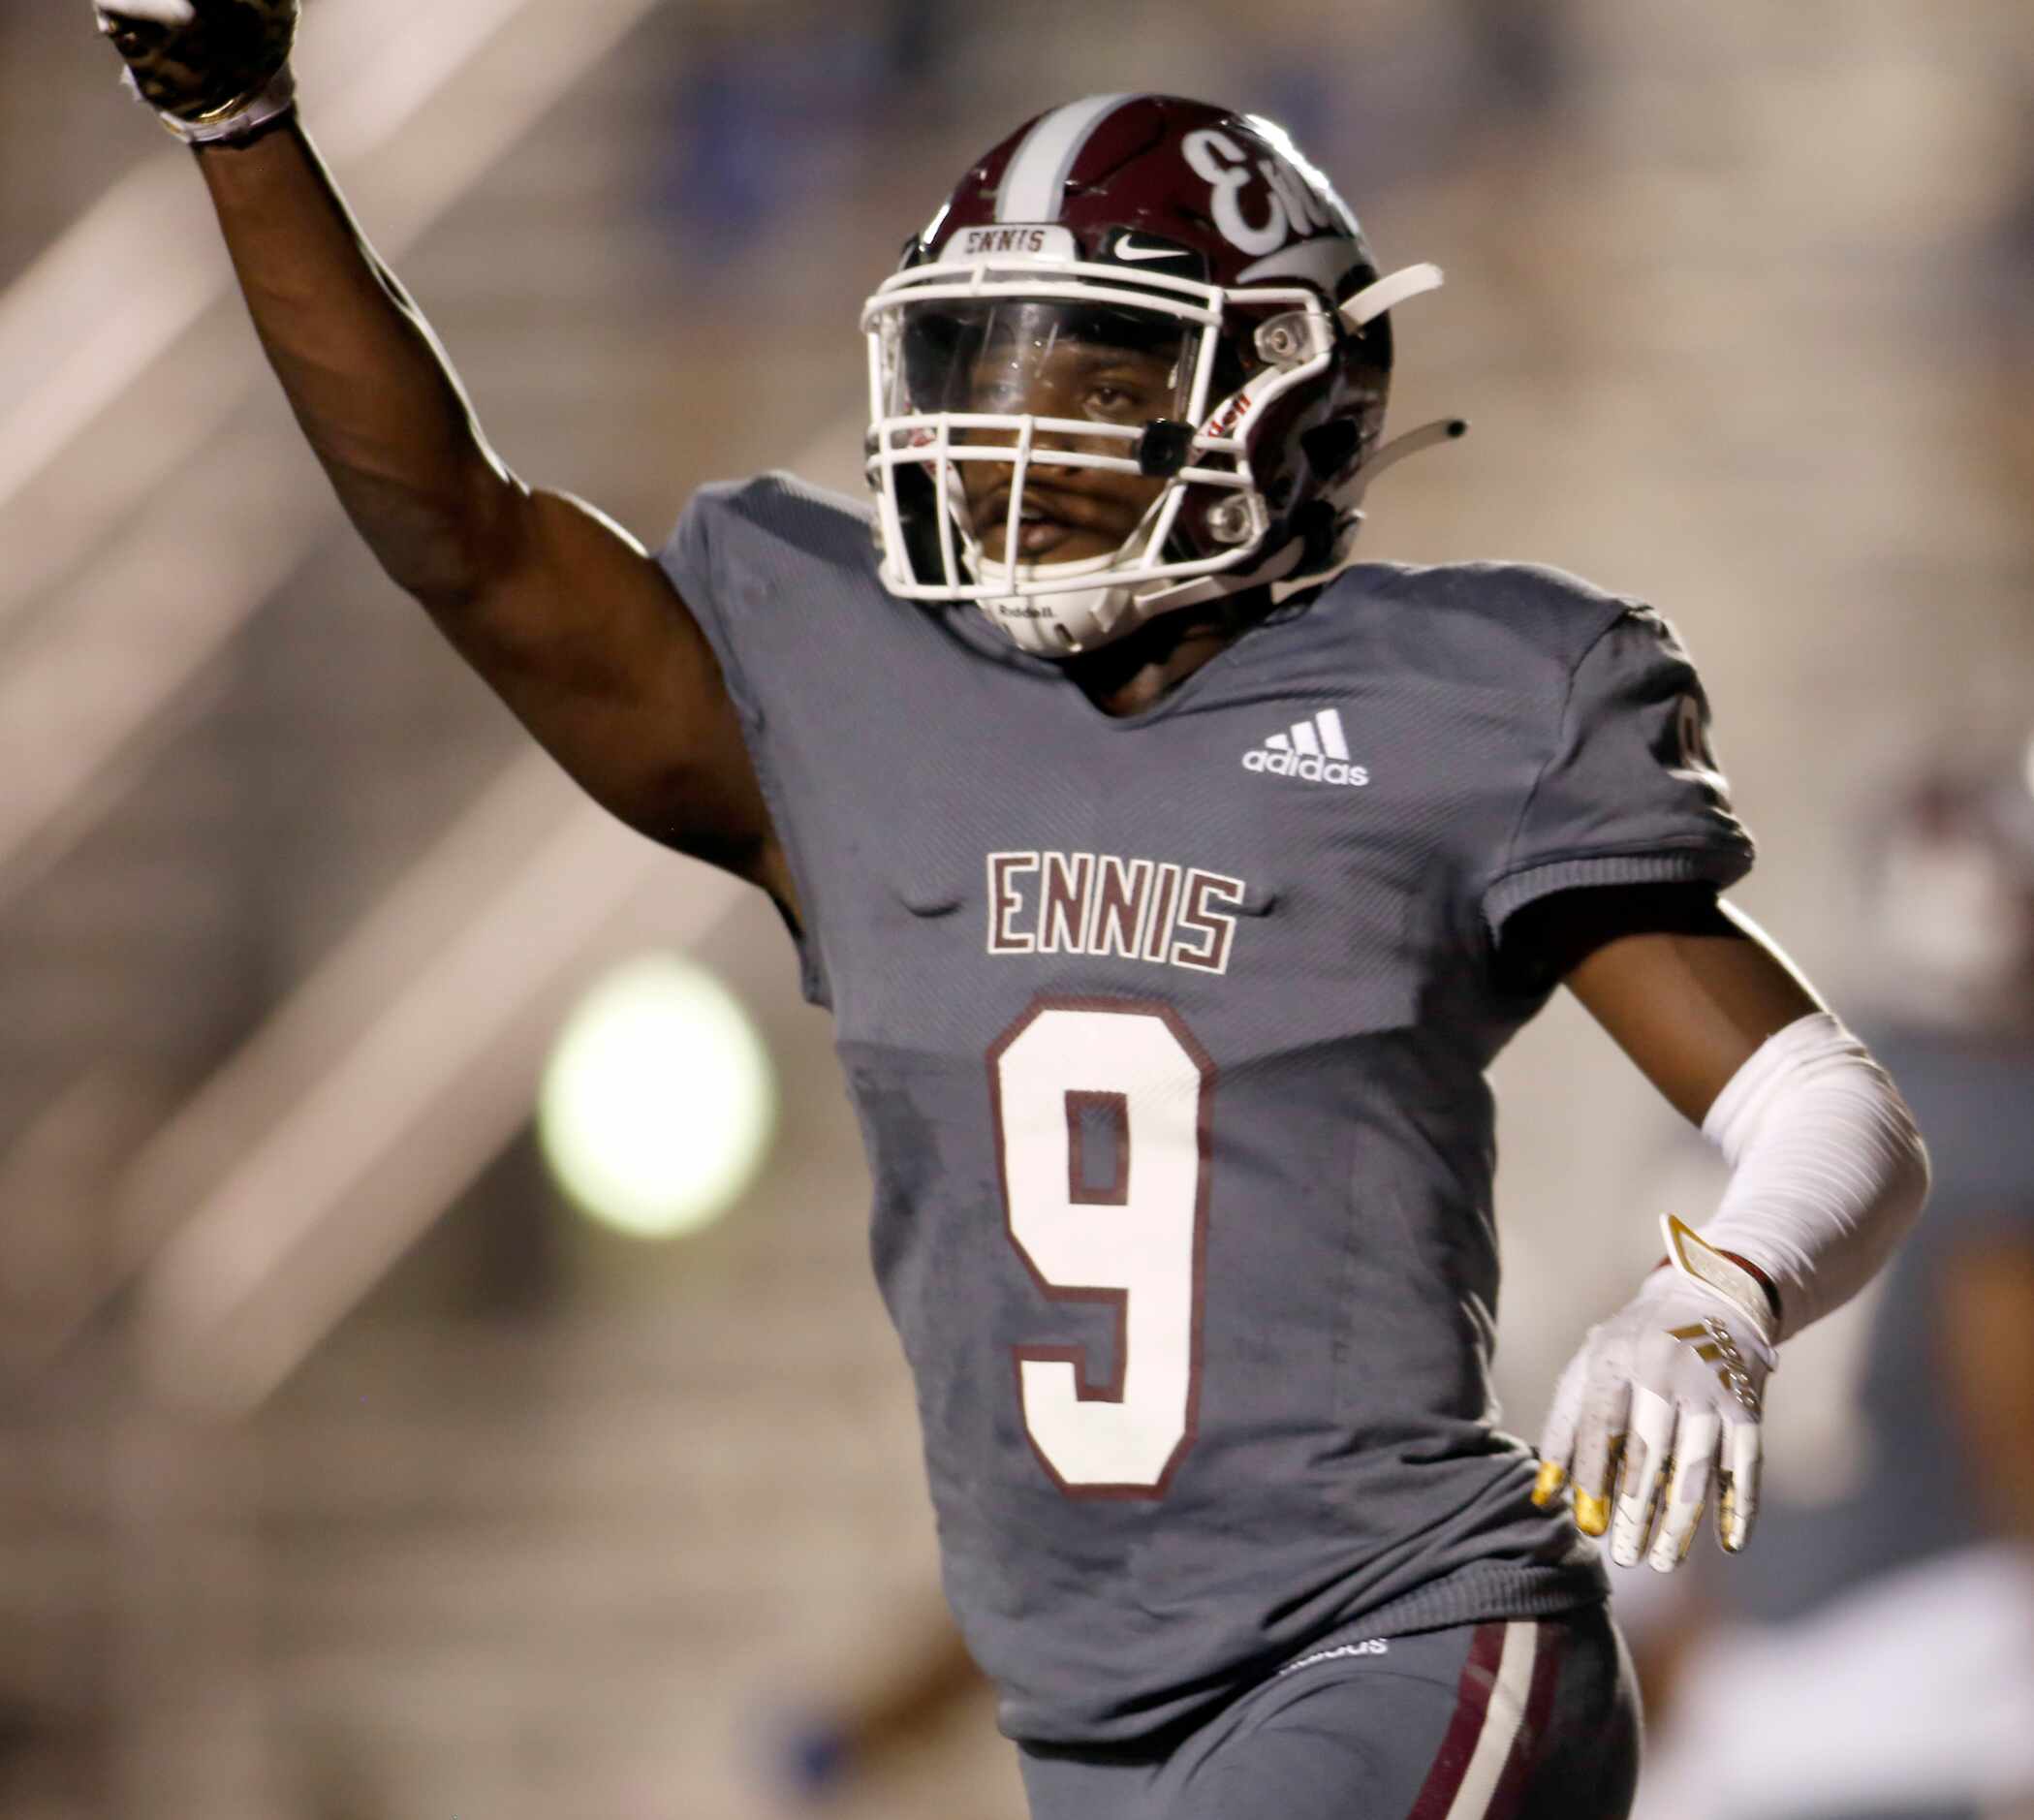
[1067,513]
[1048,361]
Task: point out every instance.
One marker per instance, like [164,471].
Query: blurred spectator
[1872,1653]
[772,125]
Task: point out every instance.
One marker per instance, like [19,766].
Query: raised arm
[562,613]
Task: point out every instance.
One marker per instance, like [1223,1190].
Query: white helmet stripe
[1037,170]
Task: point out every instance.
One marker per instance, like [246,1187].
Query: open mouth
[1040,534]
[1049,524]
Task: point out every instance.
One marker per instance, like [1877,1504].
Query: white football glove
[213,70]
[1663,1397]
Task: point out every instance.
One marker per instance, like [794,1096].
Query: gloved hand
[213,70]
[1665,1396]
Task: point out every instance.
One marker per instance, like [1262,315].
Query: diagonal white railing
[284,1187]
[338,1168]
[113,295]
[116,644]
[319,1153]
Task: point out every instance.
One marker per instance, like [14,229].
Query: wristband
[1765,1286]
[238,119]
[1695,1261]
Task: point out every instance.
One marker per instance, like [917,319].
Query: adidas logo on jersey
[1314,750]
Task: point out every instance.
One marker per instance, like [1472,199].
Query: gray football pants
[1498,1721]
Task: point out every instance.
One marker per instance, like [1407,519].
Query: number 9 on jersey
[1102,1111]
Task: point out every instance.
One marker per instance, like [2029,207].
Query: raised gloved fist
[1663,1397]
[212,69]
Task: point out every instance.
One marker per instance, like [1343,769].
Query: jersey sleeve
[695,559]
[1628,792]
[688,560]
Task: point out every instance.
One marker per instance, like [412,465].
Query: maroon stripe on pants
[1524,1755]
[1472,1700]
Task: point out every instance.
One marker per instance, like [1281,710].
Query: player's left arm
[1692,1003]
[1828,1173]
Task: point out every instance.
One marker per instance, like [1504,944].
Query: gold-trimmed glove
[213,70]
[1665,1397]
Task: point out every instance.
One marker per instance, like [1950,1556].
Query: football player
[1229,865]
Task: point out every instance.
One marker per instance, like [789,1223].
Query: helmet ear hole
[1316,525]
[1330,447]
[1373,340]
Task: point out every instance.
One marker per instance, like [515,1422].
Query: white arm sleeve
[1828,1170]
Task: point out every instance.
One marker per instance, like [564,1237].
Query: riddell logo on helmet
[1230,415]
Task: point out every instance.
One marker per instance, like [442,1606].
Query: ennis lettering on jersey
[1095,903]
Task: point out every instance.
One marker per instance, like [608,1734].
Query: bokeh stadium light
[659,1101]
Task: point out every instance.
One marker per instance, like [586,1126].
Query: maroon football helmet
[1135,304]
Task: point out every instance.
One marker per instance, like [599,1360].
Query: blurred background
[348,1467]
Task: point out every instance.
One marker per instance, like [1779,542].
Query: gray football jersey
[1168,1036]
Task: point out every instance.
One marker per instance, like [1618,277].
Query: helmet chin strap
[1118,608]
[1276,567]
